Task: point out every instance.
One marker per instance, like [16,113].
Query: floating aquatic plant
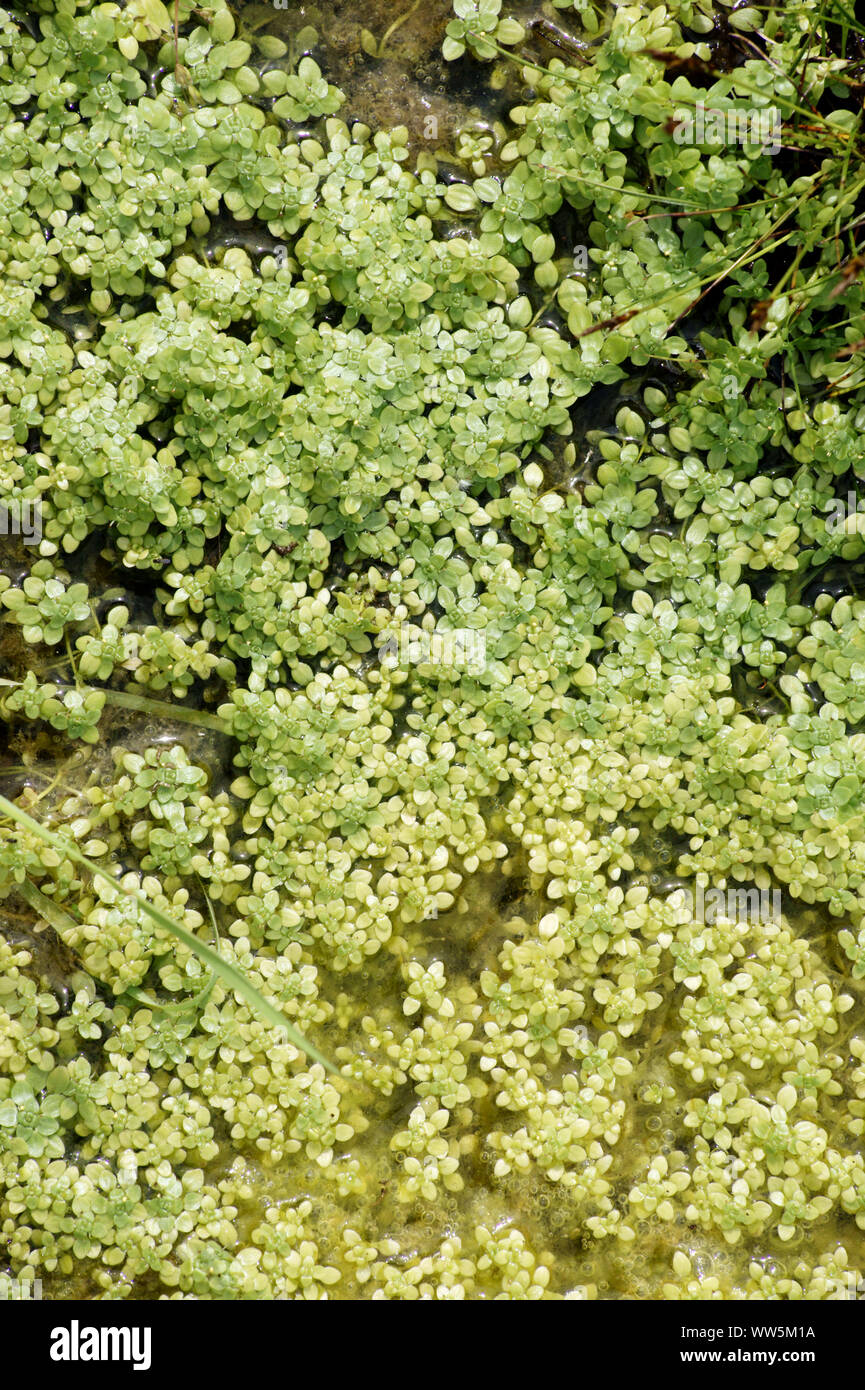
[447,567]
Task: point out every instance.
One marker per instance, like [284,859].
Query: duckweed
[310,413]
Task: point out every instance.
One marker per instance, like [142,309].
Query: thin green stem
[143,704]
[197,1001]
[230,975]
[46,908]
[396,24]
[163,709]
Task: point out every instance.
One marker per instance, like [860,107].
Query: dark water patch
[389,65]
[70,315]
[837,578]
[227,231]
[756,695]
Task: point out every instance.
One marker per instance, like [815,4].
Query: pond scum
[432,853]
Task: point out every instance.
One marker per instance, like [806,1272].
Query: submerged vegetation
[430,573]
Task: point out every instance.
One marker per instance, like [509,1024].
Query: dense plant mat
[432,835]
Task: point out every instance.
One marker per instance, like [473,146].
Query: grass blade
[233,978]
